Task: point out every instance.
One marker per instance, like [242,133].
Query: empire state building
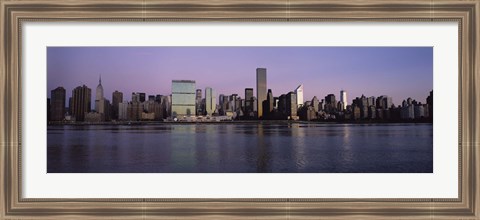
[99,100]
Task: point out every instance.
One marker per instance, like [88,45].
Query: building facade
[183,98]
[343,99]
[81,102]
[299,92]
[261,90]
[117,98]
[57,104]
[99,103]
[210,101]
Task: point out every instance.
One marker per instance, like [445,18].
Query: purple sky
[399,72]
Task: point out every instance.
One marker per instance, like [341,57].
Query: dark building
[371,112]
[117,97]
[315,104]
[81,102]
[268,105]
[70,100]
[330,103]
[107,116]
[356,112]
[48,109]
[198,102]
[151,98]
[248,101]
[430,104]
[142,96]
[158,111]
[307,113]
[134,111]
[282,105]
[362,103]
[291,104]
[57,104]
[158,98]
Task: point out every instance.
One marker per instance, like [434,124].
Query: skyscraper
[291,104]
[135,97]
[315,103]
[269,103]
[117,98]
[198,102]
[57,104]
[430,104]
[49,113]
[343,99]
[330,103]
[248,101]
[99,103]
[142,96]
[183,98]
[81,102]
[198,95]
[210,101]
[261,89]
[151,98]
[299,92]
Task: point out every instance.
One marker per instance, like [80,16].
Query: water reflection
[241,148]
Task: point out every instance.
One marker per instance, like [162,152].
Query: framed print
[233,109]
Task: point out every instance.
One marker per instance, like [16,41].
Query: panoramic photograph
[221,109]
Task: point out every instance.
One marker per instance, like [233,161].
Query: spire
[100,80]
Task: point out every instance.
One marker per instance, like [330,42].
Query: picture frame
[14,13]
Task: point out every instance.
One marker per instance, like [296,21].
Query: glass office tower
[183,98]
[261,89]
[210,101]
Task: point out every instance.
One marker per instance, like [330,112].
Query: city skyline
[70,67]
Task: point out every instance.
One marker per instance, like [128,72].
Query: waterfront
[241,148]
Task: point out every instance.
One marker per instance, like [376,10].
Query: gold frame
[464,12]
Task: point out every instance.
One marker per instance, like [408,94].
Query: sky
[399,72]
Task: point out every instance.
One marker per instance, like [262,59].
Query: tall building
[81,102]
[99,103]
[384,102]
[151,98]
[299,92]
[269,105]
[48,110]
[261,90]
[248,101]
[57,104]
[122,111]
[134,111]
[183,98]
[315,103]
[343,99]
[232,102]
[117,98]
[430,104]
[198,94]
[291,104]
[142,96]
[210,101]
[330,103]
[135,97]
[282,105]
[198,102]
[166,106]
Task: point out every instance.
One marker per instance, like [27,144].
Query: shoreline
[123,123]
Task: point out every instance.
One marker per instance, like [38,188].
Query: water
[241,148]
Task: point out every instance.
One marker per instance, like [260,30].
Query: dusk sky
[399,72]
